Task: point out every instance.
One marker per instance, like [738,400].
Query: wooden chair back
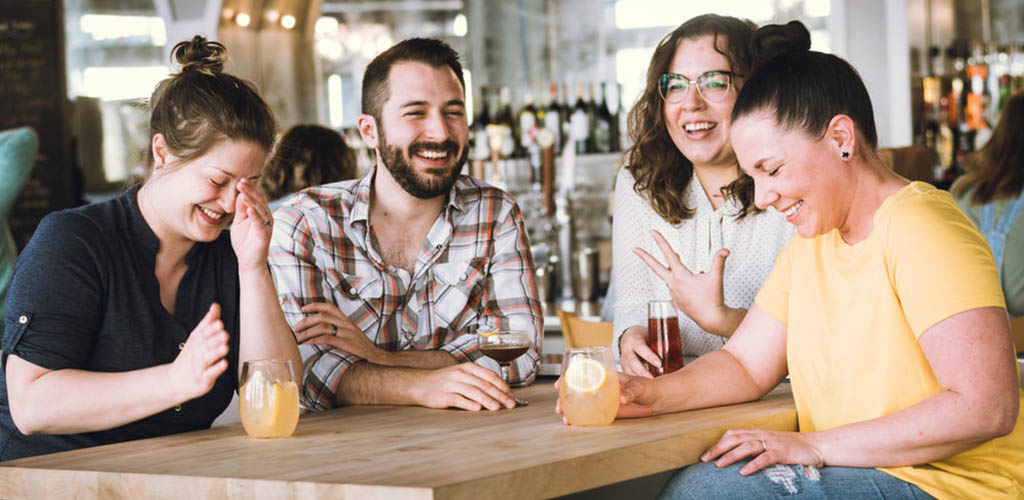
[580,333]
[1017,329]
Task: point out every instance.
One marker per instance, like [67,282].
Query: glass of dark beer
[663,336]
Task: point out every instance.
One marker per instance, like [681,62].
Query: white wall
[873,36]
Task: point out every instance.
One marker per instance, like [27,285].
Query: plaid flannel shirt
[474,272]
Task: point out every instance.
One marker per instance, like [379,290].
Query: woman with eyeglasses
[885,311]
[673,194]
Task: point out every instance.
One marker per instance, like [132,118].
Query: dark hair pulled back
[803,89]
[201,106]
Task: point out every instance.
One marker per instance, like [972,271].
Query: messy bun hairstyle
[802,88]
[201,106]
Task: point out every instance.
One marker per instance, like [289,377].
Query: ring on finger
[334,330]
[763,445]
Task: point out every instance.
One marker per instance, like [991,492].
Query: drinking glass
[268,398]
[663,336]
[589,389]
[505,347]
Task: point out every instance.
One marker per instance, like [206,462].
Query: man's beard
[420,186]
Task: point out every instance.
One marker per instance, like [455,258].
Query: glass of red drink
[663,336]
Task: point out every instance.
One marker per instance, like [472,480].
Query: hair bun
[200,55]
[776,39]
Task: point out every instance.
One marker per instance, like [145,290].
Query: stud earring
[846,155]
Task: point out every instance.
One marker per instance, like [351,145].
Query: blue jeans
[705,480]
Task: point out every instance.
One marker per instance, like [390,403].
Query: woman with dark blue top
[130,318]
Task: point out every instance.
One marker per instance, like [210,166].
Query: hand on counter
[466,385]
[201,359]
[698,295]
[765,448]
[634,352]
[636,397]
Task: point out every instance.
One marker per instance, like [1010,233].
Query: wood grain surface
[395,452]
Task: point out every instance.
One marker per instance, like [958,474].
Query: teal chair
[18,149]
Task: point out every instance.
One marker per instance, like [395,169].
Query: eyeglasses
[712,86]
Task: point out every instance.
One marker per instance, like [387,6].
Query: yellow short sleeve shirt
[854,315]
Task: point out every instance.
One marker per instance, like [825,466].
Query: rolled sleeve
[55,304]
[321,375]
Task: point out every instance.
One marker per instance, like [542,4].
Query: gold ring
[765,446]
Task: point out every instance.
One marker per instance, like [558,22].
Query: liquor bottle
[1016,57]
[480,122]
[977,72]
[580,122]
[590,91]
[553,117]
[481,150]
[614,103]
[527,122]
[623,122]
[602,122]
[931,95]
[566,103]
[504,119]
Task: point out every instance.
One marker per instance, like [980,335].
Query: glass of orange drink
[268,398]
[589,389]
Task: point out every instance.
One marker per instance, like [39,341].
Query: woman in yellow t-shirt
[885,311]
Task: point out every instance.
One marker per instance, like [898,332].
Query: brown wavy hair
[307,155]
[661,171]
[201,106]
[996,170]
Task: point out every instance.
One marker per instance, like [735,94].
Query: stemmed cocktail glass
[505,347]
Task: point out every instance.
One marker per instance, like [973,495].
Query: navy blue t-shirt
[84,296]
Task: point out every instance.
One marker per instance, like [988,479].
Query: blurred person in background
[991,193]
[131,318]
[305,156]
[674,192]
[18,149]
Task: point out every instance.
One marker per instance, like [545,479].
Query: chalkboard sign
[33,93]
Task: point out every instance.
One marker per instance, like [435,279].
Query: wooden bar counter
[395,452]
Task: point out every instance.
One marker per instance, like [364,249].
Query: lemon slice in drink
[585,375]
[488,334]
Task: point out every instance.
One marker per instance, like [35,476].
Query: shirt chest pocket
[458,290]
[356,295]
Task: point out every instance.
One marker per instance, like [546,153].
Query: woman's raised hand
[698,295]
[202,359]
[252,226]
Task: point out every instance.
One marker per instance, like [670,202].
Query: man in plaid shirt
[385,280]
